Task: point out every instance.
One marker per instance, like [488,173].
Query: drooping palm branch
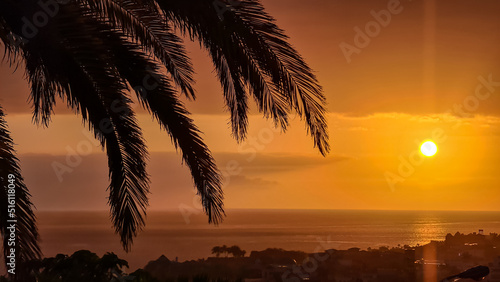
[18,213]
[91,50]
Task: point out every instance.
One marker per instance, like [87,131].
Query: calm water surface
[169,233]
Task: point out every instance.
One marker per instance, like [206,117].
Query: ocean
[182,237]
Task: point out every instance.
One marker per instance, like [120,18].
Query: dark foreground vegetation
[430,262]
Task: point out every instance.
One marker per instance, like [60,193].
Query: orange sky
[408,84]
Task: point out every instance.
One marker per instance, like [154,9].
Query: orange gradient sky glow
[395,74]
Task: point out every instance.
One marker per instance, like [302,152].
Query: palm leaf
[78,65]
[26,233]
[285,65]
[142,22]
[164,105]
[259,49]
[92,50]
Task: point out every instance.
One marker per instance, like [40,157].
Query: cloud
[243,181]
[85,178]
[420,118]
[264,163]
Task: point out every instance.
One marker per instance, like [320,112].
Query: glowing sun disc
[428,148]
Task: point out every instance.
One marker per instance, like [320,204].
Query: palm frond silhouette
[88,52]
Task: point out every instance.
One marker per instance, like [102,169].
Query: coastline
[167,233]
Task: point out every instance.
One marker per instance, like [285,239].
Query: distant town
[422,263]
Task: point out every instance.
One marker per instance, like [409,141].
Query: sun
[428,148]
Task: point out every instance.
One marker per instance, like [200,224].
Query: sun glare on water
[428,148]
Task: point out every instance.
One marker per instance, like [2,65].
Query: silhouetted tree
[81,266]
[236,251]
[216,251]
[224,249]
[89,51]
[111,265]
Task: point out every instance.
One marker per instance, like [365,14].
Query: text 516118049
[11,211]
